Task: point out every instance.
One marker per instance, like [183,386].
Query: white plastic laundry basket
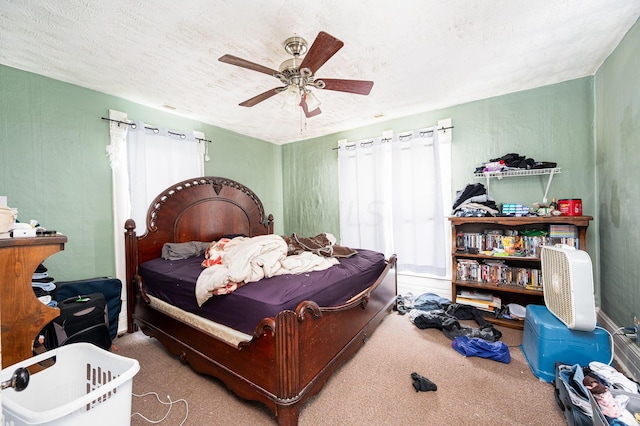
[86,386]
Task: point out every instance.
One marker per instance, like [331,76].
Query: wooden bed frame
[290,356]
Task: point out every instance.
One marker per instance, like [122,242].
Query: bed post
[288,367]
[270,224]
[131,256]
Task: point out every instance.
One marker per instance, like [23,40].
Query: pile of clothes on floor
[432,311]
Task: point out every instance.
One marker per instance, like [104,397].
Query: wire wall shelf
[520,173]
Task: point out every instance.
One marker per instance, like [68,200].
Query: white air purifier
[567,277]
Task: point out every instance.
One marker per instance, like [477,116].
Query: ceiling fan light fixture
[292,95]
[312,101]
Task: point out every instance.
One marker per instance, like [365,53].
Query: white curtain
[143,163]
[157,158]
[394,193]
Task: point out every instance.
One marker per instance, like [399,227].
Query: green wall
[54,168]
[617,94]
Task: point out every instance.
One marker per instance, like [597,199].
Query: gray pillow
[178,251]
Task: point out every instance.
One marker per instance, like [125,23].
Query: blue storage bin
[546,340]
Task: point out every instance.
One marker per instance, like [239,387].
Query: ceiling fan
[297,74]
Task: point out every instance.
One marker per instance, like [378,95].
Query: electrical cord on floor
[628,332]
[170,404]
[611,340]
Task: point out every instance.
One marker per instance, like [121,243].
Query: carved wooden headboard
[198,209]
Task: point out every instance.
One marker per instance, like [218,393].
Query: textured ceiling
[421,54]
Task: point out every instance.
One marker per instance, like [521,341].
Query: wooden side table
[22,315]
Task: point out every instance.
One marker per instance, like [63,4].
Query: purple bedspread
[174,282]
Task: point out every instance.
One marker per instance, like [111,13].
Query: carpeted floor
[373,388]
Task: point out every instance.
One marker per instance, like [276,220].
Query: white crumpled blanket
[248,260]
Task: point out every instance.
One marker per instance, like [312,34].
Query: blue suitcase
[110,287]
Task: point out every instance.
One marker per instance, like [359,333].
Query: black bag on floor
[83,318]
[110,287]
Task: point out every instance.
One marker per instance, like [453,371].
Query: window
[395,196]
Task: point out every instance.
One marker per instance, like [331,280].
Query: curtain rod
[154,129]
[422,132]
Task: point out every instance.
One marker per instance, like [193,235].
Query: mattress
[173,281]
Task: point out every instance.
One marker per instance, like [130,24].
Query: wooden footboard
[290,357]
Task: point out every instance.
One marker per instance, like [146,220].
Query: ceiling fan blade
[359,87]
[322,49]
[234,60]
[261,97]
[308,113]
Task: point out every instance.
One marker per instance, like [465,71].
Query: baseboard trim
[626,353]
[418,285]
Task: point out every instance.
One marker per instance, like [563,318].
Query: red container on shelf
[570,207]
